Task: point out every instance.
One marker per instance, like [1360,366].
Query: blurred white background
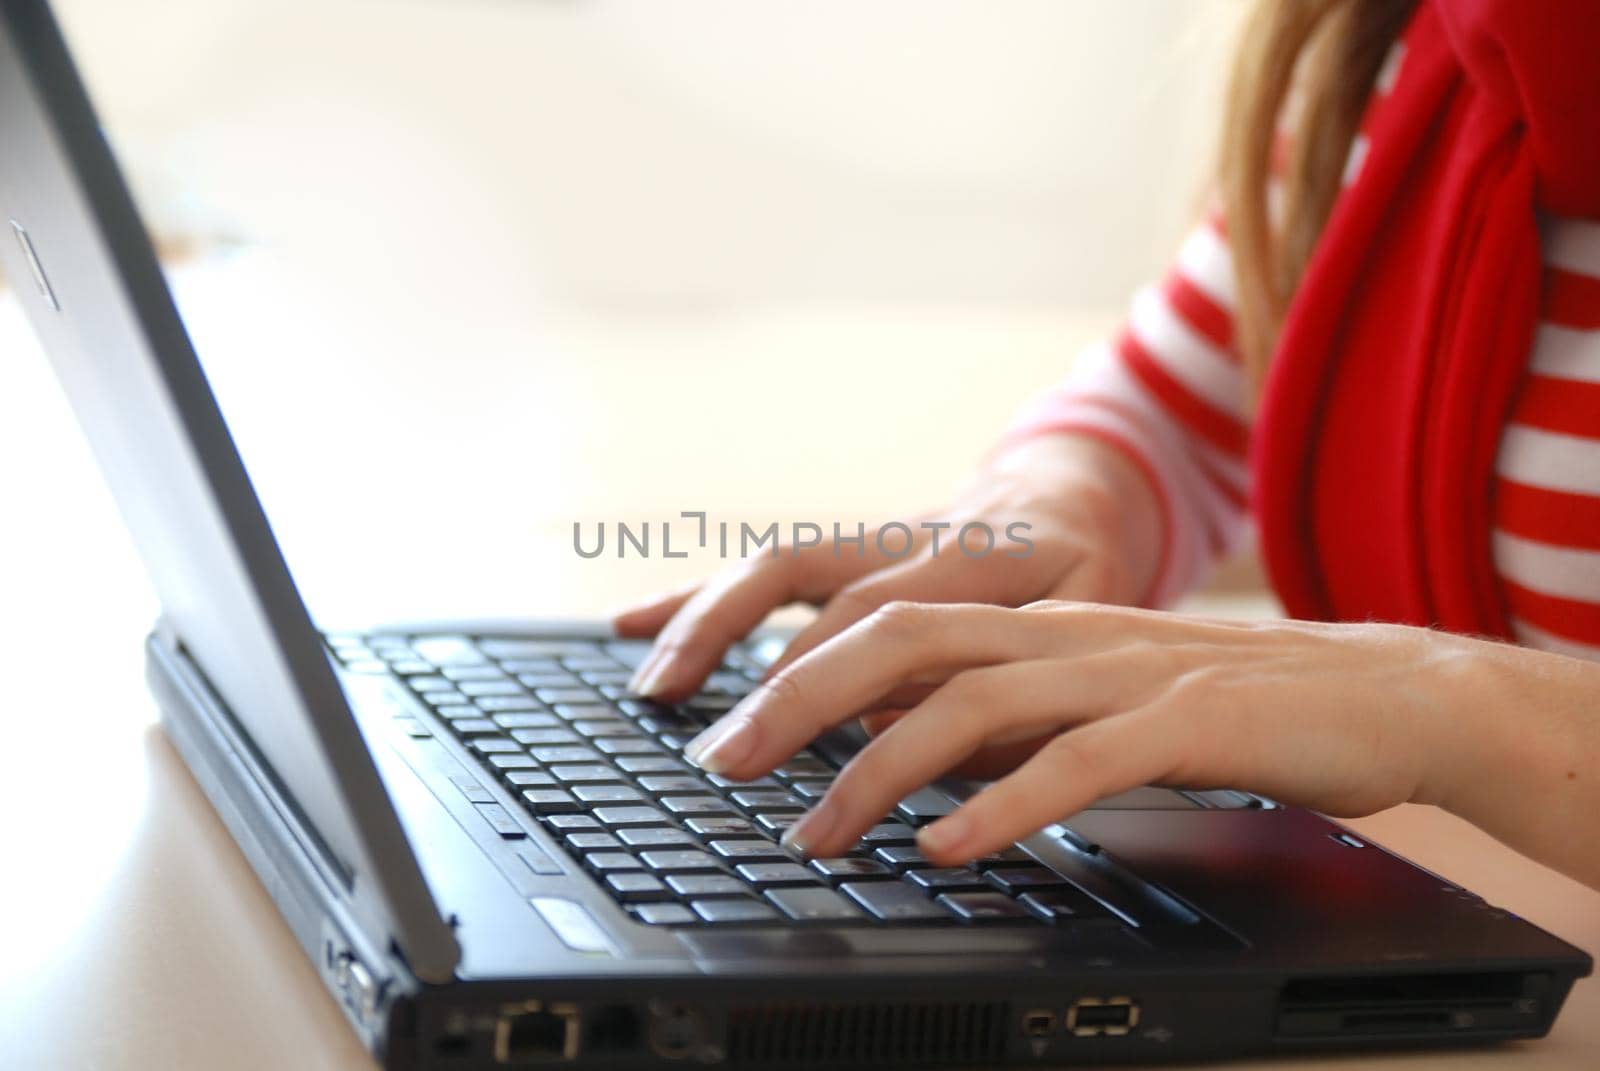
[706,151]
[469,271]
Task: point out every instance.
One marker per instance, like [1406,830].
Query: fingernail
[647,679]
[944,836]
[723,745]
[813,827]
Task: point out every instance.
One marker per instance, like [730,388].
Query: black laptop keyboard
[602,770]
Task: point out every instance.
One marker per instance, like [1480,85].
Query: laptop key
[609,862]
[530,665]
[696,885]
[551,678]
[924,805]
[525,720]
[819,904]
[585,774]
[810,791]
[608,794]
[543,801]
[569,822]
[769,875]
[1015,880]
[564,754]
[630,887]
[710,706]
[488,688]
[984,907]
[472,673]
[474,727]
[895,901]
[850,868]
[567,695]
[774,825]
[521,648]
[767,801]
[501,704]
[447,650]
[663,785]
[731,911]
[583,712]
[902,857]
[948,879]
[644,708]
[591,660]
[749,851]
[736,784]
[679,861]
[543,737]
[617,817]
[637,764]
[1004,857]
[628,745]
[529,779]
[655,837]
[803,767]
[1060,905]
[886,834]
[697,805]
[596,729]
[663,914]
[719,827]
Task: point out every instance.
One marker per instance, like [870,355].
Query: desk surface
[135,934]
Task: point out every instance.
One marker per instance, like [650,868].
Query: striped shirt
[1168,389]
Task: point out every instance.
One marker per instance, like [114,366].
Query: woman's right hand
[1093,521]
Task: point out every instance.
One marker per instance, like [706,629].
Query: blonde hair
[1329,52]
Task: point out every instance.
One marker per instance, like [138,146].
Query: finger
[994,707]
[693,644]
[985,764]
[1065,776]
[646,619]
[898,643]
[925,578]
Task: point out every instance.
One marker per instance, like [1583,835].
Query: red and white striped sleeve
[1169,392]
[1547,474]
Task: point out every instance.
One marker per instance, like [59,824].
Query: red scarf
[1404,347]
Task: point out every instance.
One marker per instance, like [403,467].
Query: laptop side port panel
[1420,1007]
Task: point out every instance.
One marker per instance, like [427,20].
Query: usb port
[1093,1017]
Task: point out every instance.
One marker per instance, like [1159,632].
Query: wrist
[1517,750]
[1080,475]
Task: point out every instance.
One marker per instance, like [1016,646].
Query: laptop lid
[80,262]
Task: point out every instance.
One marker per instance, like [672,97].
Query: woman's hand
[1094,700]
[1091,518]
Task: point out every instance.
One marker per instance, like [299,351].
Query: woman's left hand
[1082,701]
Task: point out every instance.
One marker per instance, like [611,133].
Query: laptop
[495,856]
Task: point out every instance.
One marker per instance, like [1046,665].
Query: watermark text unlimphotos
[692,533]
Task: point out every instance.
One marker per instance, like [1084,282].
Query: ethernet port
[534,1032]
[1094,1017]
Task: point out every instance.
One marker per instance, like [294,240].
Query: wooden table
[135,934]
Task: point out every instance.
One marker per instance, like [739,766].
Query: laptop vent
[902,1033]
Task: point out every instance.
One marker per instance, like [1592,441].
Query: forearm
[1524,761]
